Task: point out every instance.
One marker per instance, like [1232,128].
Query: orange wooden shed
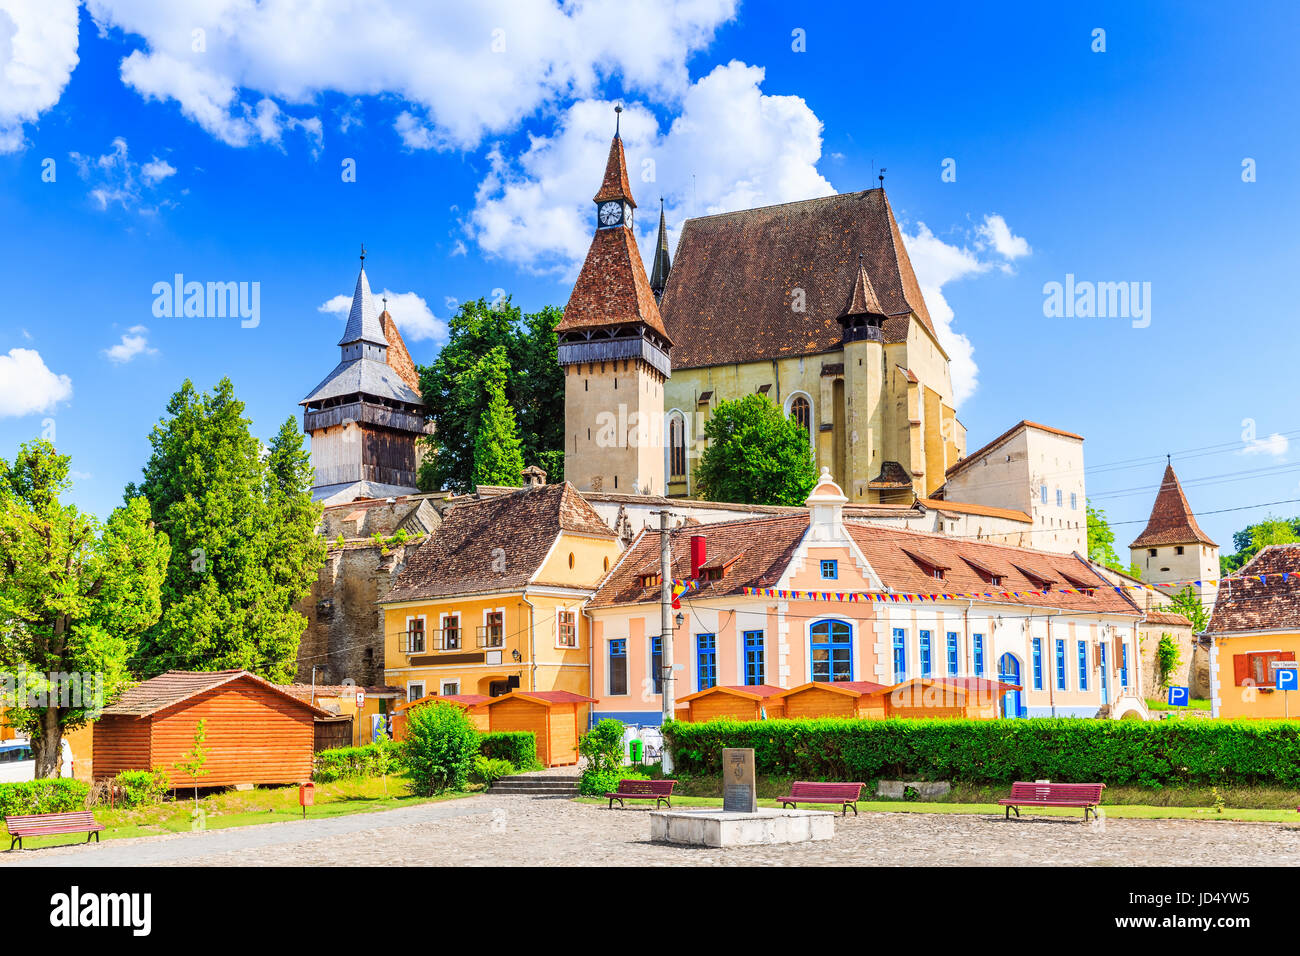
[555,717]
[255,732]
[474,705]
[732,702]
[969,697]
[852,698]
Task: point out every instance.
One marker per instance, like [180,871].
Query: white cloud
[115,179]
[27,386]
[156,170]
[465,70]
[938,263]
[410,311]
[135,341]
[1275,444]
[731,147]
[38,51]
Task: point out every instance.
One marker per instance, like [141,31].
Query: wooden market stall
[856,698]
[474,705]
[974,698]
[555,717]
[732,702]
[255,732]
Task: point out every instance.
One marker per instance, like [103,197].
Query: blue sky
[478,137]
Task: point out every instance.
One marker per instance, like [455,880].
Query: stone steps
[536,785]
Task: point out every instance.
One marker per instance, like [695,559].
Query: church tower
[615,354]
[365,417]
[1173,547]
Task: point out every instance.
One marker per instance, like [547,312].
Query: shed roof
[749,691]
[547,697]
[176,687]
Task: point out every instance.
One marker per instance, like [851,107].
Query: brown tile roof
[1168,618]
[886,551]
[728,297]
[965,507]
[986,448]
[1248,604]
[1172,521]
[892,475]
[761,548]
[175,687]
[612,288]
[864,300]
[463,556]
[399,359]
[615,184]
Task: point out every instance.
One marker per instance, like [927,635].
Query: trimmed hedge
[51,795]
[519,747]
[1150,753]
[354,763]
[142,787]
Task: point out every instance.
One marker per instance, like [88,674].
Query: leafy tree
[1249,540]
[195,759]
[498,453]
[1101,543]
[1188,603]
[244,545]
[755,455]
[74,597]
[534,387]
[441,743]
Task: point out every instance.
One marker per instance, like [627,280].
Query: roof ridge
[778,205]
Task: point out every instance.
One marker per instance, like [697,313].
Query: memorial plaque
[738,792]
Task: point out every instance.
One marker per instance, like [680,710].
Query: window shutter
[1240,669]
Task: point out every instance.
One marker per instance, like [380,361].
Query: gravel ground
[519,831]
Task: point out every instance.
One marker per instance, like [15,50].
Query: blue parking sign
[1179,697]
[1288,678]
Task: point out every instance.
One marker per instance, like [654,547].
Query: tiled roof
[1245,604]
[612,288]
[761,547]
[965,507]
[364,376]
[663,262]
[1172,521]
[864,300]
[989,446]
[363,318]
[615,184]
[886,551]
[175,687]
[1168,618]
[728,297]
[399,359]
[892,475]
[546,696]
[465,555]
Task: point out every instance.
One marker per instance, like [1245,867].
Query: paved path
[497,830]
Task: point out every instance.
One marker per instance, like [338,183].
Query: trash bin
[634,750]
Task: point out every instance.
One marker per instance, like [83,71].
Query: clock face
[611,213]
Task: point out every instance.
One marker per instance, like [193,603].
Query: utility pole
[668,696]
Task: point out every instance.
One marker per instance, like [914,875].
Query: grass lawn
[1117,811]
[234,808]
[1195,703]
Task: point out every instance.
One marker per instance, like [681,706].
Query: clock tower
[615,354]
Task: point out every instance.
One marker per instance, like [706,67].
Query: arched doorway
[1009,673]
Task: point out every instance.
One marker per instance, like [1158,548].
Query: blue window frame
[830,569]
[753,657]
[1123,665]
[657,663]
[952,652]
[831,644]
[1074,501]
[706,660]
[618,667]
[1042,493]
[925,653]
[1083,666]
[900,655]
[979,654]
[1038,663]
[1060,664]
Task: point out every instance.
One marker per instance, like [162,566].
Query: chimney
[698,552]
[534,477]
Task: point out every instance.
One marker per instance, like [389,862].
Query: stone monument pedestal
[722,828]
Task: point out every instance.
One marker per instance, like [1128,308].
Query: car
[17,763]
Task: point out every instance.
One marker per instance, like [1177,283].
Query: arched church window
[801,412]
[677,445]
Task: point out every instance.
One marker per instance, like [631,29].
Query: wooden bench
[811,791]
[1085,795]
[46,824]
[656,790]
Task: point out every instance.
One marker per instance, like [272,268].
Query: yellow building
[493,602]
[1256,624]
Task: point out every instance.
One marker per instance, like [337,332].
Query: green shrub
[142,787]
[51,795]
[595,783]
[603,745]
[1117,752]
[517,746]
[489,769]
[441,743]
[355,763]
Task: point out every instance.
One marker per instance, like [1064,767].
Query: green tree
[195,759]
[498,452]
[534,387]
[74,597]
[755,455]
[1188,603]
[441,743]
[1101,543]
[1250,539]
[244,546]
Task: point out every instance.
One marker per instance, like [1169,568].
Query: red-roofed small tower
[615,354]
[1172,547]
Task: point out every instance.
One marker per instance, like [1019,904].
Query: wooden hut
[256,732]
[732,702]
[970,697]
[850,698]
[556,717]
[473,704]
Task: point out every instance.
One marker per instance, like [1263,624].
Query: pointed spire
[363,320]
[864,300]
[662,261]
[1172,521]
[615,184]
